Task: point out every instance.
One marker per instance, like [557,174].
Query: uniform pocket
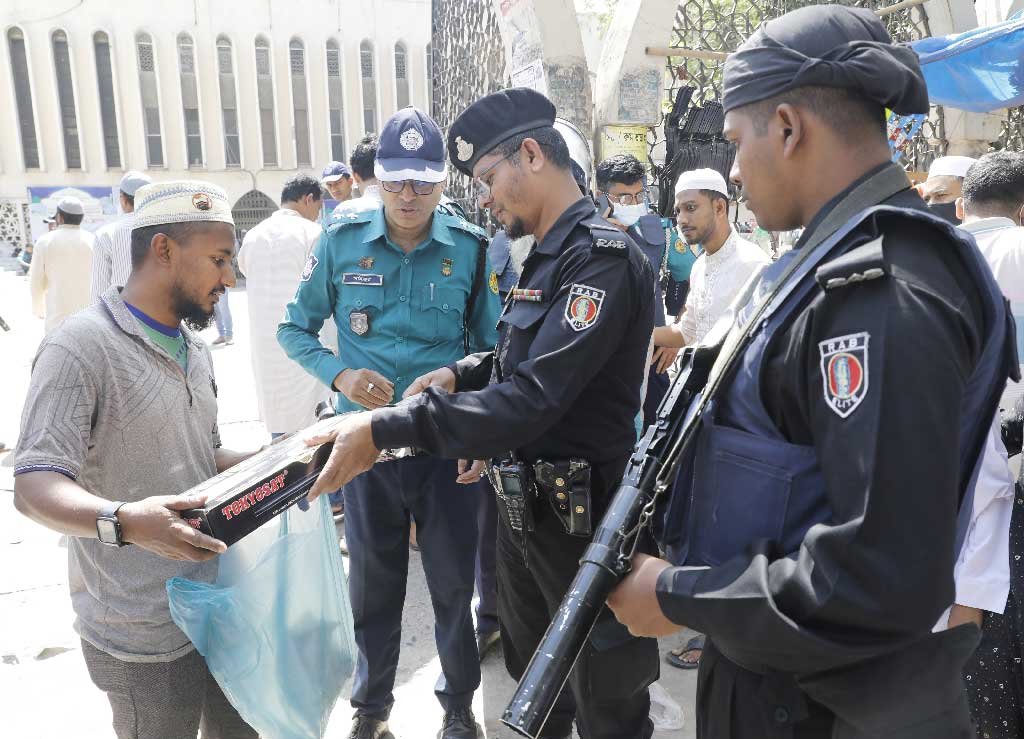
[360,306]
[443,309]
[524,315]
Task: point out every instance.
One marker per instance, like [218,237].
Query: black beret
[493,119]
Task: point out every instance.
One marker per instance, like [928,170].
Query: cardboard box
[248,495]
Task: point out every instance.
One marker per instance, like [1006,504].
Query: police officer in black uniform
[553,407]
[813,532]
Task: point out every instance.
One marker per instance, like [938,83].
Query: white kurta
[714,282]
[272,256]
[60,273]
[982,571]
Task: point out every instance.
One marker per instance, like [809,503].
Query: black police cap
[493,119]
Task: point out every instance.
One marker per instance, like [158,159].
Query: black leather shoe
[459,723]
[486,641]
[367,727]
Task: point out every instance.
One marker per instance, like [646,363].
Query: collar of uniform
[376,228]
[996,223]
[556,235]
[128,323]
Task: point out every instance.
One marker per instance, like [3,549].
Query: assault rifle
[650,471]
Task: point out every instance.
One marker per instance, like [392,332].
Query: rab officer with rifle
[814,526]
[552,407]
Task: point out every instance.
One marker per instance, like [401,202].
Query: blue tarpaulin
[979,70]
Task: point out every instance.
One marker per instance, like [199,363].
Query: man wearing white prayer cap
[944,185]
[727,261]
[58,275]
[121,420]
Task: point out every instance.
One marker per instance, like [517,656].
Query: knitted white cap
[702,179]
[181,201]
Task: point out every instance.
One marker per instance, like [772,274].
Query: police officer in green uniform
[408,286]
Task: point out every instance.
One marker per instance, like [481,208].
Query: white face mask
[627,215]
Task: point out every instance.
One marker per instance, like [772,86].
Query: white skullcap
[182,201]
[70,205]
[951,167]
[702,179]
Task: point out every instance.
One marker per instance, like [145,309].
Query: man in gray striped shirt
[112,250]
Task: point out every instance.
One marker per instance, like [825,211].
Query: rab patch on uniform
[844,371]
[307,271]
[610,246]
[583,306]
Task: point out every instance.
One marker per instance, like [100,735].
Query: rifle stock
[607,559]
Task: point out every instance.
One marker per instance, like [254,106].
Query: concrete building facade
[242,93]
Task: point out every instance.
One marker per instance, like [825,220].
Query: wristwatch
[108,528]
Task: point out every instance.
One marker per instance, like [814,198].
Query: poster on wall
[624,140]
[98,202]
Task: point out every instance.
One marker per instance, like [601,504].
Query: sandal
[677,657]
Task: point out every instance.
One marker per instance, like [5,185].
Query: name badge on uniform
[359,322]
[358,278]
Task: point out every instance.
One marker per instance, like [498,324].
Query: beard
[519,249]
[191,312]
[516,229]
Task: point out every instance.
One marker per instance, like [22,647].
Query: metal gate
[250,209]
[467,62]
[722,25]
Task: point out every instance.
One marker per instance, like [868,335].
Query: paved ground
[42,676]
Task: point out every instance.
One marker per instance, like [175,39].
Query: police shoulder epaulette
[472,229]
[606,239]
[866,262]
[350,218]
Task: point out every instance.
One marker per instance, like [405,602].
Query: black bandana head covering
[826,46]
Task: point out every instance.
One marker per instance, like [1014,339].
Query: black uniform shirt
[572,364]
[878,575]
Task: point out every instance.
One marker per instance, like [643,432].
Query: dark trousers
[486,560]
[608,686]
[378,507]
[164,700]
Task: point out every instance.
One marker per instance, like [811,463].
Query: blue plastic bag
[276,626]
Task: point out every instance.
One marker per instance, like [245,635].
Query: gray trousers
[164,700]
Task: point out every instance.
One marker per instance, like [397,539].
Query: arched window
[108,109]
[150,99]
[66,100]
[190,100]
[23,98]
[265,96]
[366,71]
[228,103]
[300,102]
[334,101]
[401,77]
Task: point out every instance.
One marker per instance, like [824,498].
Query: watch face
[107,531]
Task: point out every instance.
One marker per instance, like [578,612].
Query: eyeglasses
[481,190]
[419,187]
[628,198]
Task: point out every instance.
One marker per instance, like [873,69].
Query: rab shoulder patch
[583,306]
[844,371]
[307,271]
[614,246]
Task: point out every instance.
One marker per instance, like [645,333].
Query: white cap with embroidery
[181,201]
[702,179]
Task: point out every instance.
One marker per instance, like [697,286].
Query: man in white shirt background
[728,261]
[989,586]
[272,257]
[61,266]
[112,248]
[361,162]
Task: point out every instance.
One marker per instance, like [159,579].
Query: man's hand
[365,387]
[663,358]
[353,454]
[470,473]
[443,378]
[607,215]
[156,525]
[959,614]
[635,601]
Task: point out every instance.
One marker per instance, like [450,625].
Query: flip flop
[675,657]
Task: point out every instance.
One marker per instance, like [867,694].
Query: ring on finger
[369,387]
